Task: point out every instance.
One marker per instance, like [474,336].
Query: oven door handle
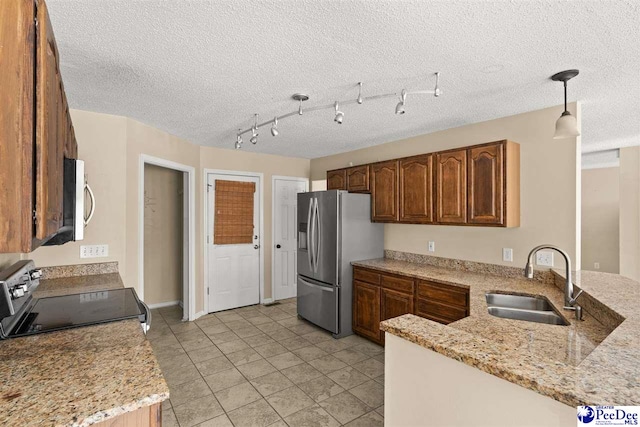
[147,311]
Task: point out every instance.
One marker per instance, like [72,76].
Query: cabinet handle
[93,204]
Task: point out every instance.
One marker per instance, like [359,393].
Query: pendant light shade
[566,125]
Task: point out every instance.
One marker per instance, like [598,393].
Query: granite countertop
[81,376]
[589,362]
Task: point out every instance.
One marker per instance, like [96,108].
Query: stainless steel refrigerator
[334,229]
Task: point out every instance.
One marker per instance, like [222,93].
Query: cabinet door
[358,179]
[366,310]
[416,189]
[17,38]
[486,184]
[337,179]
[451,187]
[51,126]
[384,191]
[394,304]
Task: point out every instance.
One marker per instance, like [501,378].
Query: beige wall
[101,144]
[550,189]
[163,243]
[630,212]
[143,139]
[111,147]
[8,259]
[216,158]
[601,219]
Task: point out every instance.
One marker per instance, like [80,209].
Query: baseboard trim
[199,314]
[165,304]
[267,301]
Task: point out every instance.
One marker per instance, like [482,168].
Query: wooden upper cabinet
[17,35]
[51,129]
[337,179]
[384,191]
[358,179]
[451,187]
[416,189]
[486,184]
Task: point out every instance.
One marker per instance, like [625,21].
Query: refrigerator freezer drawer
[318,304]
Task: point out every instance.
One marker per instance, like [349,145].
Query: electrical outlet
[544,258]
[94,251]
[432,246]
[596,265]
[507,254]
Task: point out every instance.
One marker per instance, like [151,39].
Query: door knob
[278,246]
[256,246]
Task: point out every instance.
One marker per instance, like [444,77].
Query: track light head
[339,115]
[238,140]
[274,127]
[254,131]
[403,99]
[360,99]
[436,90]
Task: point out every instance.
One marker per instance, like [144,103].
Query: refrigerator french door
[334,229]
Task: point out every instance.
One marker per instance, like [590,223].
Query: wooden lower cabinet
[366,310]
[379,296]
[148,416]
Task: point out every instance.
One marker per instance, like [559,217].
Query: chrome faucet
[569,298]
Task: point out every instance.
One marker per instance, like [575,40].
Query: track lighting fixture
[403,99]
[254,132]
[239,140]
[567,125]
[339,115]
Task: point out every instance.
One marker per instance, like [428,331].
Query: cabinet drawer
[441,312]
[443,293]
[366,276]
[400,284]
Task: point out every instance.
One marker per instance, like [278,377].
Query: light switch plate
[432,246]
[596,265]
[94,251]
[507,254]
[544,258]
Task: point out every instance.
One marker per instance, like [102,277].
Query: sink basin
[523,307]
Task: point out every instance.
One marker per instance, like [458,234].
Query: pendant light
[567,125]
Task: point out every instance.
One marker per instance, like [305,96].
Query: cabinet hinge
[35,217]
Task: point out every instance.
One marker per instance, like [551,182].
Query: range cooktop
[22,314]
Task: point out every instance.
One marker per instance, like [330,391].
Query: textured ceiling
[200,69]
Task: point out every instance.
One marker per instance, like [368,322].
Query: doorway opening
[234,261]
[166,207]
[284,269]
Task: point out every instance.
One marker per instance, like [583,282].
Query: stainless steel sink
[523,307]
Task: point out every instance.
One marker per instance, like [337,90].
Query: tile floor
[262,366]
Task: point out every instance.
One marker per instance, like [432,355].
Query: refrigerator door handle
[318,232]
[313,285]
[309,255]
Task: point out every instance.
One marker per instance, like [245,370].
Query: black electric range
[21,314]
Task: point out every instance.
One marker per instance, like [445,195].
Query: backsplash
[56,272]
[545,276]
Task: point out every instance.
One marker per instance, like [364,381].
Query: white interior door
[233,269]
[284,239]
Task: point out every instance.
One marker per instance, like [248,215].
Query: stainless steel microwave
[74,187]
